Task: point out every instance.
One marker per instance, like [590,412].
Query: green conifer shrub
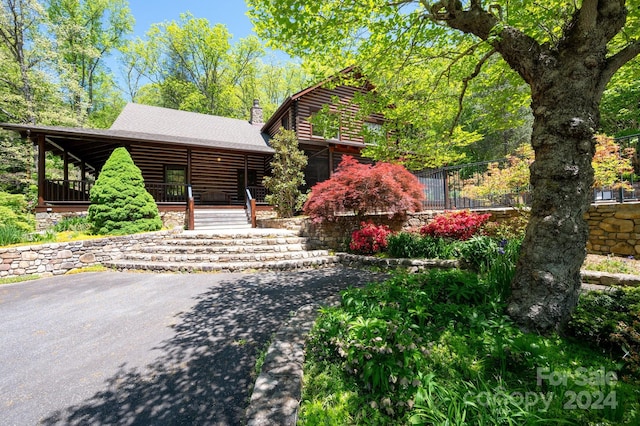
[120,204]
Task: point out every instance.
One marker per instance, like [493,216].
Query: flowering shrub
[457,225]
[369,239]
[363,188]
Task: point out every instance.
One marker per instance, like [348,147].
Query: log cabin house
[192,161]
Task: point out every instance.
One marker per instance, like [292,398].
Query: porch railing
[257,193]
[167,192]
[70,191]
[77,191]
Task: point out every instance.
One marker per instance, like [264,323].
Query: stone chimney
[256,113]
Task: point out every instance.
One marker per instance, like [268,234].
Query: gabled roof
[189,128]
[287,103]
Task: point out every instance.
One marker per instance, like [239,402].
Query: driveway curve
[139,349]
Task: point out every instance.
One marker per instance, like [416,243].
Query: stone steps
[231,250]
[280,265]
[212,219]
[231,257]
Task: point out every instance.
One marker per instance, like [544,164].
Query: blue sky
[232,13]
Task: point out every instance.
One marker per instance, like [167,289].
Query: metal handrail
[251,207]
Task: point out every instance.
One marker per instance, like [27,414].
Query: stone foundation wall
[170,219]
[59,258]
[46,220]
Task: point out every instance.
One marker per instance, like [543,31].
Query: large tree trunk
[567,77]
[547,280]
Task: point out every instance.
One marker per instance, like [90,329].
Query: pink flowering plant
[369,239]
[456,225]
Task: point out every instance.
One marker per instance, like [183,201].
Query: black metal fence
[482,185]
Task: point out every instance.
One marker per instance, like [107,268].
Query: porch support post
[246,171]
[83,171]
[189,167]
[331,148]
[65,159]
[41,168]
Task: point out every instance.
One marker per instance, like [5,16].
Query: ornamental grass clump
[120,203]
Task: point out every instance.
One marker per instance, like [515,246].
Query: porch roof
[149,126]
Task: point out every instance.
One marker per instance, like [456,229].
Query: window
[175,177]
[285,122]
[372,132]
[325,124]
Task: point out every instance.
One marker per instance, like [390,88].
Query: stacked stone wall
[614,229]
[60,258]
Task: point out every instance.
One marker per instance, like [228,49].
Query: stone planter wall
[59,258]
[336,235]
[613,228]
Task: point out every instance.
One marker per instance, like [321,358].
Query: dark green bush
[479,252]
[411,245]
[611,320]
[120,204]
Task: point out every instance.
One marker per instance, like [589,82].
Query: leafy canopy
[453,88]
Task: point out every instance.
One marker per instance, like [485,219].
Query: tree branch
[615,62]
[465,85]
[587,17]
[521,51]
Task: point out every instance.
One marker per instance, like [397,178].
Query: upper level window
[285,122]
[325,124]
[372,132]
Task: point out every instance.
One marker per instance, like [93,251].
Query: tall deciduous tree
[85,32]
[567,52]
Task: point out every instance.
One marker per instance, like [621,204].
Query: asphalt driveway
[129,348]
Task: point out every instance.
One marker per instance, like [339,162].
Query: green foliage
[287,175]
[193,65]
[479,252]
[14,212]
[120,204]
[73,223]
[610,320]
[11,234]
[410,245]
[437,348]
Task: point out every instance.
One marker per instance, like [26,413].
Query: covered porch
[180,175]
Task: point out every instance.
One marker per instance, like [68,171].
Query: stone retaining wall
[336,235]
[614,229]
[59,258]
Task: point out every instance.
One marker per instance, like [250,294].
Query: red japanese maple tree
[364,189]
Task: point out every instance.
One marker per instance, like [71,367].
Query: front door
[250,180]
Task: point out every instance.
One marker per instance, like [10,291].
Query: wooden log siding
[210,171]
[313,101]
